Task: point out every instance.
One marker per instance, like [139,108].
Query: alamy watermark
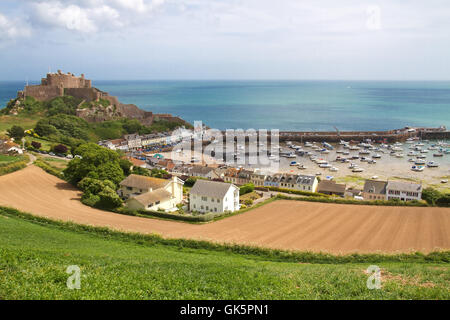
[374,280]
[74,280]
[234,147]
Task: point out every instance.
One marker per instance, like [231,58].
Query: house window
[150,205]
[207,208]
[215,209]
[129,188]
[204,199]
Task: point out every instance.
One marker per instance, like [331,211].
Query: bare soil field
[283,224]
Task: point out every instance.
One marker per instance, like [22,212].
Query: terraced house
[147,193]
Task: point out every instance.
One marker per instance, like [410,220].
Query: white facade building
[211,196]
[404,191]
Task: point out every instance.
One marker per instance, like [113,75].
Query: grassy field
[34,256]
[25,122]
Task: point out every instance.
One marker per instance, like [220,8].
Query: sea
[284,105]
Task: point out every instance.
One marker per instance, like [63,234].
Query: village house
[331,188]
[306,183]
[272,181]
[404,191]
[166,164]
[243,177]
[148,193]
[137,162]
[231,175]
[134,141]
[374,190]
[203,172]
[257,179]
[212,196]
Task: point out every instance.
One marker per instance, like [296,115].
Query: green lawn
[34,256]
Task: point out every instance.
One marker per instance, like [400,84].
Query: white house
[147,193]
[211,196]
[404,191]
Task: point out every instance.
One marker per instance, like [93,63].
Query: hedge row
[396,203]
[49,169]
[15,166]
[292,191]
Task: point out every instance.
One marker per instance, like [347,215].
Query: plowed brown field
[281,224]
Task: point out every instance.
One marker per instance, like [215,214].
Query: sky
[226,39]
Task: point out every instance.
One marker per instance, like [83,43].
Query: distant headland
[94,105]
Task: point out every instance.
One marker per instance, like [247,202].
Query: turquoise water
[286,105]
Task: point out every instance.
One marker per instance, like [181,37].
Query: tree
[36,145]
[431,195]
[126,165]
[60,148]
[97,162]
[16,132]
[141,171]
[99,193]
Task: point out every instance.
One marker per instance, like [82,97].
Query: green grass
[36,252]
[26,122]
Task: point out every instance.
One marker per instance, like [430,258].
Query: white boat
[444,181]
[372,162]
[411,160]
[364,159]
[357,170]
[417,168]
[325,165]
[291,156]
[438,154]
[325,151]
[419,162]
[412,154]
[399,155]
[364,152]
[432,164]
[334,169]
[302,167]
[421,156]
[376,156]
[308,144]
[424,151]
[346,153]
[354,148]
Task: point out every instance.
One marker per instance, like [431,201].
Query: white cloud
[11,29]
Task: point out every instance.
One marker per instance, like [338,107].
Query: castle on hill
[67,84]
[60,84]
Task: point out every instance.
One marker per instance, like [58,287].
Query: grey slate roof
[404,186]
[212,189]
[374,186]
[305,179]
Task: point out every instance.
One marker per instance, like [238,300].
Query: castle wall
[88,94]
[66,81]
[43,93]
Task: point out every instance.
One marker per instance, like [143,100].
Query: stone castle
[60,84]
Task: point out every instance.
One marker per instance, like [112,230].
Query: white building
[147,193]
[404,191]
[211,196]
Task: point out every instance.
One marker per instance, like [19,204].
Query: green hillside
[34,256]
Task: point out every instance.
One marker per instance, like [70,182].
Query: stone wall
[87,94]
[43,93]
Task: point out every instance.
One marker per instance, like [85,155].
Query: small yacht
[372,162]
[293,163]
[399,155]
[419,162]
[411,160]
[364,152]
[421,156]
[302,167]
[376,156]
[432,164]
[353,165]
[334,169]
[424,151]
[357,170]
[417,168]
[325,165]
[364,159]
[354,148]
[438,154]
[308,144]
[291,155]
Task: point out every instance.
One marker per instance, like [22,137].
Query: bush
[36,145]
[443,201]
[99,194]
[60,148]
[246,188]
[16,132]
[11,167]
[190,182]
